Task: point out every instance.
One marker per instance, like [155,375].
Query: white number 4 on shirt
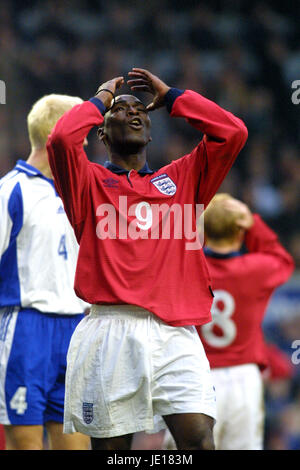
[62,248]
[18,401]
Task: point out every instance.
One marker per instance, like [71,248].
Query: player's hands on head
[111,85]
[245,218]
[143,80]
[140,80]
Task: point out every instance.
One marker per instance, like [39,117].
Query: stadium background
[242,54]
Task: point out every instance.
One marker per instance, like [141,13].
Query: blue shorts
[33,349]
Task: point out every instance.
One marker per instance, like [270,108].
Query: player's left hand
[143,80]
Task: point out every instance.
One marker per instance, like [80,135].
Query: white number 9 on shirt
[221,318]
[143,213]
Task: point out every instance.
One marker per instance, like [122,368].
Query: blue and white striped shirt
[38,249]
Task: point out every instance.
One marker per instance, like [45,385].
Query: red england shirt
[131,225]
[243,285]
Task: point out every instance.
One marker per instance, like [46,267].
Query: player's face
[127,125]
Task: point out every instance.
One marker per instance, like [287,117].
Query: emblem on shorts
[164,184]
[87,412]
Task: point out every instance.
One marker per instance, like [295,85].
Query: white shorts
[126,369]
[240,408]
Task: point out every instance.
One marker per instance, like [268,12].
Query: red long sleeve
[275,263]
[68,161]
[224,137]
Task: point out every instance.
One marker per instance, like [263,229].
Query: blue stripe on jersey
[9,278]
[5,321]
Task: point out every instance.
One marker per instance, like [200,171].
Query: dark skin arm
[140,80]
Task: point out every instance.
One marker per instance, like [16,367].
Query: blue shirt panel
[9,277]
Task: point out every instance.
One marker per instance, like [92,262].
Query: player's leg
[60,441]
[191,431]
[24,437]
[240,414]
[112,443]
[108,380]
[183,391]
[21,378]
[63,327]
[144,441]
[227,406]
[245,426]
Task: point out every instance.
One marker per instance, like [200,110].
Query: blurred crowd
[245,55]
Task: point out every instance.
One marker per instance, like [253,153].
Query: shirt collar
[24,167]
[119,170]
[213,254]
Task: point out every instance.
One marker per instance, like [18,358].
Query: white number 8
[221,318]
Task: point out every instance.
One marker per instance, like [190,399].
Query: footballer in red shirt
[243,283]
[132,364]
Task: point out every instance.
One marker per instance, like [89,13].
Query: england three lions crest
[87,412]
[164,184]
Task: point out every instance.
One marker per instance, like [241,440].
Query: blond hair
[220,224]
[44,114]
